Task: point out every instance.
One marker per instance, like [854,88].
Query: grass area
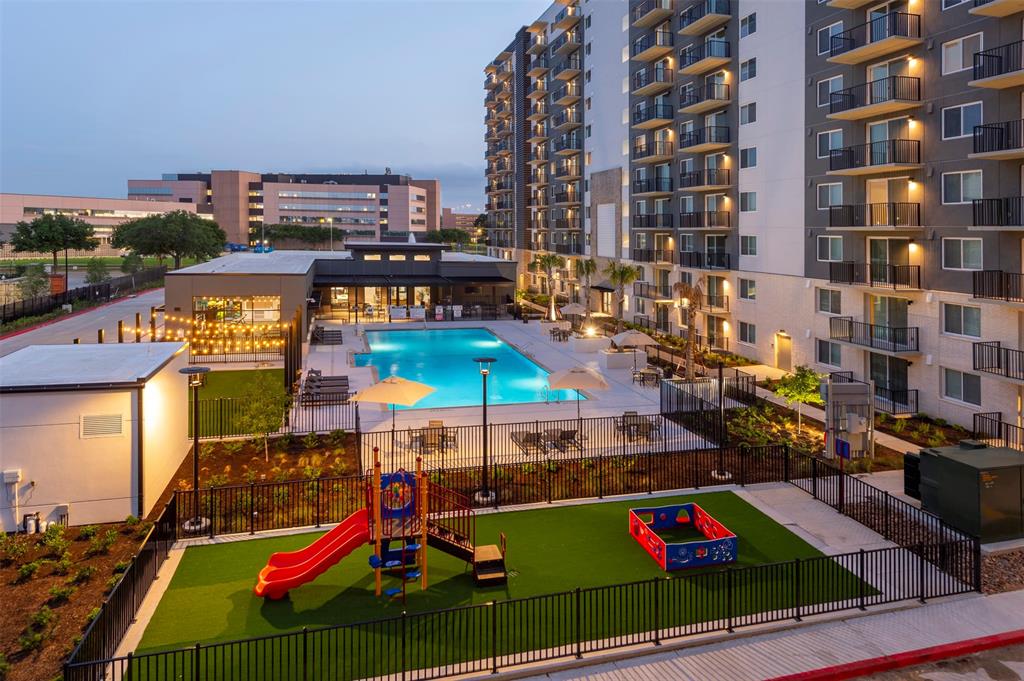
[234,383]
[549,550]
[110,260]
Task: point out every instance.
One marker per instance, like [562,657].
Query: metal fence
[993,431]
[224,416]
[93,293]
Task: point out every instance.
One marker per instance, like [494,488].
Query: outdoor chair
[432,439]
[529,443]
[623,422]
[569,439]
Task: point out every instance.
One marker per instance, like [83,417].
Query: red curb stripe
[61,318]
[852,670]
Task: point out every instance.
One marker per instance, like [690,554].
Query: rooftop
[50,366]
[300,262]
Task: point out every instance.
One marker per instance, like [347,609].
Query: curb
[852,670]
[70,315]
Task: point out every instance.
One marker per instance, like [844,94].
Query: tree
[53,233]
[447,235]
[692,296]
[132,264]
[803,385]
[309,234]
[34,281]
[96,271]
[263,407]
[548,263]
[178,235]
[585,270]
[621,276]
[480,221]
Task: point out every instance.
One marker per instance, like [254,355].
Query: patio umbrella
[577,378]
[391,391]
[573,308]
[633,339]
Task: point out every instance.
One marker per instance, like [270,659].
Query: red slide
[288,569]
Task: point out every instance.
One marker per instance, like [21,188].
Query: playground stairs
[450,542]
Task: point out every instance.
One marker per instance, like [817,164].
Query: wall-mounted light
[911,185]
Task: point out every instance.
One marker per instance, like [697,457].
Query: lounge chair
[529,443]
[569,439]
[624,422]
[433,439]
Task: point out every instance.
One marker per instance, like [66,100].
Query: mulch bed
[1003,572]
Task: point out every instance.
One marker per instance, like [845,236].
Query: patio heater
[196,379]
[485,495]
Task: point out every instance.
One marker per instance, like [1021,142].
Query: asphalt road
[999,664]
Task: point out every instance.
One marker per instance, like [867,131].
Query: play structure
[718,545]
[405,513]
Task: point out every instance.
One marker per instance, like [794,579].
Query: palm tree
[548,263]
[692,296]
[585,270]
[621,276]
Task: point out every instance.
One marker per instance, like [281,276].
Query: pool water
[443,359]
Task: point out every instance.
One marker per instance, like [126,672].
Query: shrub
[43,617]
[27,571]
[54,541]
[93,614]
[82,574]
[62,565]
[101,544]
[143,529]
[312,472]
[12,549]
[131,522]
[284,442]
[111,583]
[337,438]
[217,480]
[311,441]
[87,532]
[121,566]
[232,446]
[61,594]
[31,640]
[250,476]
[5,667]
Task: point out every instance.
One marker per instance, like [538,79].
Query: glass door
[880,25]
[879,134]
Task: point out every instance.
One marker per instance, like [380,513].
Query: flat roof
[95,364]
[984,457]
[300,262]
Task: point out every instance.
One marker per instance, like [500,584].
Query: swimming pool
[443,359]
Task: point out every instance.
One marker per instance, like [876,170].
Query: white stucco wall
[165,428]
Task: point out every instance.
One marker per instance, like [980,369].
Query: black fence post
[976,550]
[600,477]
[650,473]
[547,478]
[579,626]
[728,606]
[744,451]
[209,495]
[814,477]
[785,461]
[920,570]
[305,654]
[405,661]
[797,593]
[317,483]
[252,512]
[861,585]
[494,637]
[195,662]
[656,609]
[885,512]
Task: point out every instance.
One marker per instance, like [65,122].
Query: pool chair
[529,443]
[431,440]
[626,421]
[447,434]
[569,439]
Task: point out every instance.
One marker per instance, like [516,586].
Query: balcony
[998,285]
[538,111]
[645,289]
[503,111]
[875,215]
[999,141]
[650,13]
[568,248]
[876,275]
[504,129]
[999,214]
[537,134]
[538,90]
[994,359]
[711,260]
[704,16]
[567,70]
[567,198]
[996,8]
[652,116]
[874,98]
[538,44]
[653,152]
[566,43]
[709,179]
[652,220]
[491,100]
[492,134]
[652,46]
[566,119]
[711,138]
[499,187]
[652,186]
[490,82]
[709,219]
[567,94]
[505,70]
[538,67]
[567,171]
[651,81]
[887,400]
[537,157]
[567,146]
[567,18]
[538,179]
[703,99]
[848,4]
[537,200]
[882,35]
[566,223]
[714,302]
[875,157]
[707,56]
[895,340]
[1000,67]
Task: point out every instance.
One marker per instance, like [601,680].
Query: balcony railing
[996,137]
[538,178]
[565,41]
[567,223]
[881,91]
[567,91]
[895,402]
[705,219]
[653,40]
[891,25]
[652,255]
[652,185]
[652,220]
[992,358]
[709,49]
[877,275]
[652,112]
[538,88]
[567,170]
[712,260]
[875,215]
[539,108]
[714,302]
[999,61]
[709,177]
[567,197]
[565,117]
[642,151]
[567,144]
[646,289]
[999,285]
[568,65]
[646,77]
[651,8]
[710,93]
[1004,212]
[569,248]
[880,153]
[874,336]
[711,135]
[693,14]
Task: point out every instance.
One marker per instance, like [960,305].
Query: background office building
[353,206]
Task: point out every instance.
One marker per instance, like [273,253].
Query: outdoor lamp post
[196,378]
[485,495]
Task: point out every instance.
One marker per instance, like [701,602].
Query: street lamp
[485,495]
[196,379]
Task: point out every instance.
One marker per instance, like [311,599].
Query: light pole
[485,496]
[196,378]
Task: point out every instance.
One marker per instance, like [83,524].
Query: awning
[603,286]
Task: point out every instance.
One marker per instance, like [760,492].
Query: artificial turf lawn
[234,383]
[549,550]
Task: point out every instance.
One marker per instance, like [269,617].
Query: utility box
[976,489]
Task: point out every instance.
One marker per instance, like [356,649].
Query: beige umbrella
[633,339]
[394,390]
[573,308]
[577,378]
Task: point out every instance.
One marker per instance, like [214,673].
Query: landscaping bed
[1003,572]
[53,585]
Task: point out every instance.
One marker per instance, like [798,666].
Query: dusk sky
[95,93]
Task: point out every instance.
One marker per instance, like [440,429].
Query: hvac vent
[102,425]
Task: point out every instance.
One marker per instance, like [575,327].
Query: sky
[95,93]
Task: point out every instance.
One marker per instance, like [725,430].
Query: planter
[590,344]
[623,360]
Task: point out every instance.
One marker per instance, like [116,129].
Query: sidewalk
[818,646]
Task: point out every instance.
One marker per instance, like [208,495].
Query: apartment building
[364,206]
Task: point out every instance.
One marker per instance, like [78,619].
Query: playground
[549,550]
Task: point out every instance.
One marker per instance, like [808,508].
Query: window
[959,121]
[748,24]
[828,353]
[748,157]
[829,301]
[962,320]
[961,254]
[826,87]
[588,21]
[961,187]
[830,249]
[748,202]
[748,245]
[748,333]
[748,69]
[825,36]
[958,55]
[587,131]
[830,194]
[829,140]
[946,4]
[686,242]
[748,289]
[748,113]
[586,76]
[961,386]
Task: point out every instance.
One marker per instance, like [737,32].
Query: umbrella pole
[392,428]
[579,419]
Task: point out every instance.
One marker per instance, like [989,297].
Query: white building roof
[48,366]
